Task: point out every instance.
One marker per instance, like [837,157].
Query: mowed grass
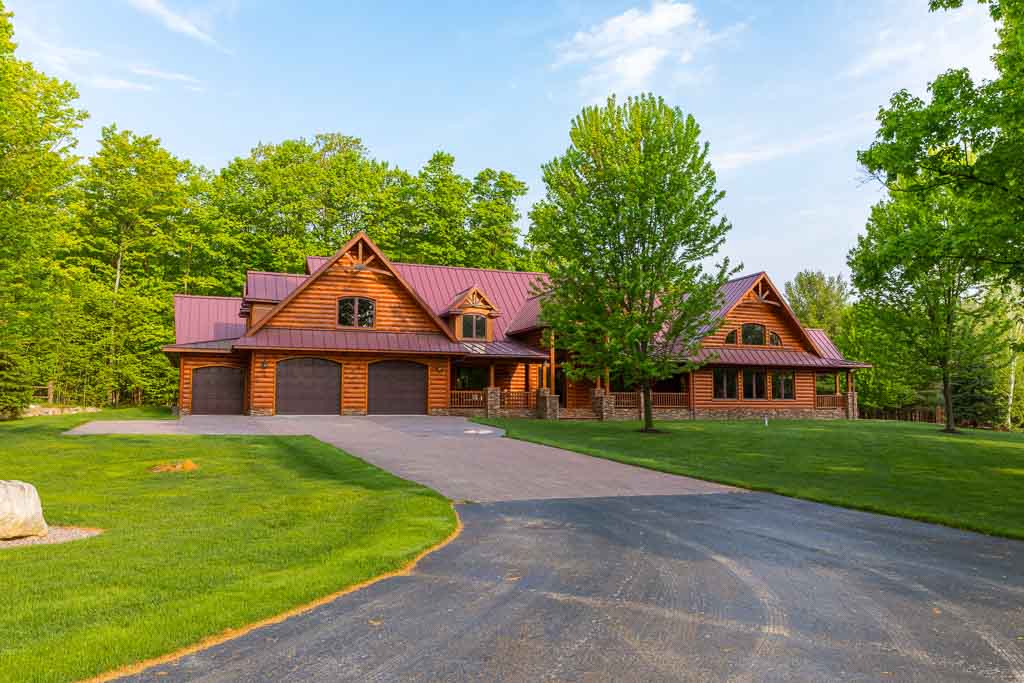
[972,480]
[265,524]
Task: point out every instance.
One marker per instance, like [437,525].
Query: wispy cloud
[164,75]
[107,83]
[174,21]
[918,46]
[625,53]
[770,151]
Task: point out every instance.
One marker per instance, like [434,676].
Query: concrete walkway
[463,460]
[611,573]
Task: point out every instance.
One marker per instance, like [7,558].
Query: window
[754,384]
[725,383]
[474,327]
[753,334]
[774,339]
[783,385]
[354,311]
[469,378]
[731,337]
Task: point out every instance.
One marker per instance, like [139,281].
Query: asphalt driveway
[603,572]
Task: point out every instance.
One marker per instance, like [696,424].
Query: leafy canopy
[628,219]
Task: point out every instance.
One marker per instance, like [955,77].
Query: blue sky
[785,92]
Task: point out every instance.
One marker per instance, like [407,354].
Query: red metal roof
[386,342]
[527,317]
[261,286]
[733,290]
[205,318]
[770,358]
[824,343]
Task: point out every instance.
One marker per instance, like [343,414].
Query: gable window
[725,383]
[354,311]
[754,384]
[783,385]
[774,339]
[474,327]
[731,337]
[753,334]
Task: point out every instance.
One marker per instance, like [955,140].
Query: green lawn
[265,524]
[973,480]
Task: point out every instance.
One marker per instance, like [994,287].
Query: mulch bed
[58,534]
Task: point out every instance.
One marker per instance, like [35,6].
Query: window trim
[355,310]
[462,326]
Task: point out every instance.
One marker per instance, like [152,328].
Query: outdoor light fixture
[263,364]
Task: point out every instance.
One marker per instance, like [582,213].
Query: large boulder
[21,512]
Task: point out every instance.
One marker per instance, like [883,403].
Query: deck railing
[518,399]
[626,399]
[468,399]
[829,401]
[669,400]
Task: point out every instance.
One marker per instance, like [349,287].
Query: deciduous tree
[819,300]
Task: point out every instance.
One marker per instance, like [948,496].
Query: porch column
[836,375]
[491,384]
[607,379]
[552,354]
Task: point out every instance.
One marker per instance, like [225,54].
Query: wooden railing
[829,401]
[468,399]
[626,399]
[518,399]
[669,400]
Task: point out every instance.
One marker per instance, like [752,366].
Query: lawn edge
[928,519]
[234,633]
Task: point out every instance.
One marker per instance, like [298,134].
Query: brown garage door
[308,386]
[398,387]
[218,391]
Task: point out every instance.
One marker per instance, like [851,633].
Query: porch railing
[829,401]
[669,400]
[626,399]
[468,399]
[518,399]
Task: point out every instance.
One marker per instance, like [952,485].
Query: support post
[836,376]
[491,385]
[607,379]
[551,351]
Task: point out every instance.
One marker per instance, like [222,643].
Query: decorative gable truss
[357,257]
[763,291]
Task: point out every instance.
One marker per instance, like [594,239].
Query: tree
[38,121]
[493,221]
[896,377]
[968,138]
[628,219]
[819,300]
[923,290]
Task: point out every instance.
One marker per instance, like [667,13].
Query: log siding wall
[774,319]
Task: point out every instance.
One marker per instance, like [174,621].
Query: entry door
[308,386]
[397,387]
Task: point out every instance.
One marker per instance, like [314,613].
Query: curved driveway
[579,569]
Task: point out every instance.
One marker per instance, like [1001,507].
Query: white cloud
[625,53]
[164,75]
[770,151]
[916,46]
[176,22]
[107,83]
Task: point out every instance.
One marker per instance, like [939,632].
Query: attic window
[474,327]
[354,311]
[775,339]
[753,334]
[731,337]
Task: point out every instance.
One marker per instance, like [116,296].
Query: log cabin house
[357,334]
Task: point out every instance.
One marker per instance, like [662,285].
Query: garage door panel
[218,390]
[308,386]
[397,388]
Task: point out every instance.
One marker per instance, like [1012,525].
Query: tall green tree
[923,290]
[629,218]
[38,121]
[819,300]
[969,138]
[494,239]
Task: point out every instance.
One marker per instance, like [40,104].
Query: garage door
[308,386]
[398,387]
[218,391]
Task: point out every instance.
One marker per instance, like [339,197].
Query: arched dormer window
[774,339]
[753,334]
[355,311]
[731,337]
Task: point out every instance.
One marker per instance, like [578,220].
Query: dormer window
[474,326]
[354,311]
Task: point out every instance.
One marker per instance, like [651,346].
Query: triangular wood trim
[763,277]
[461,302]
[360,239]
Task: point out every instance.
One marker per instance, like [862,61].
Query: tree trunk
[648,409]
[947,398]
[1013,386]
